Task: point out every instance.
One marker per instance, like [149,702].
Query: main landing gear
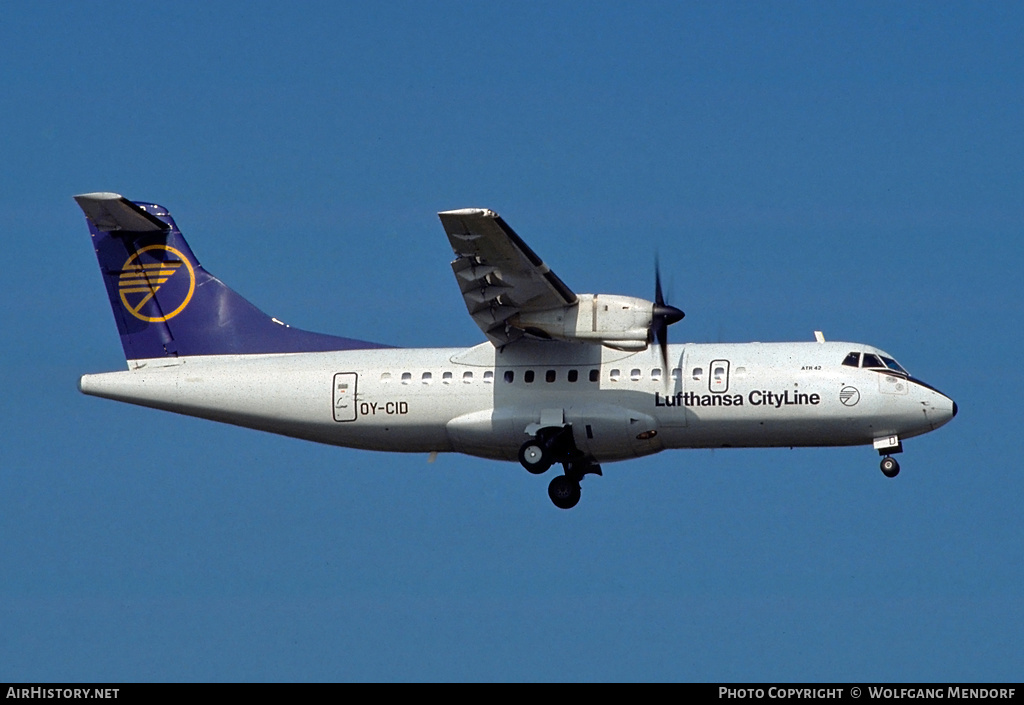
[555,445]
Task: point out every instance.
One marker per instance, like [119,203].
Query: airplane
[568,379]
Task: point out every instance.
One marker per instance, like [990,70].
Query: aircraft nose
[946,409]
[939,408]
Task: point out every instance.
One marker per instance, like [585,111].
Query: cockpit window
[894,366]
[874,362]
[871,360]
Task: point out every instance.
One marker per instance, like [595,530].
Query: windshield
[871,361]
[894,366]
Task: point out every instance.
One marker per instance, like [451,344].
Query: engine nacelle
[620,322]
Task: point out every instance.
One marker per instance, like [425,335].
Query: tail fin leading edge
[166,305]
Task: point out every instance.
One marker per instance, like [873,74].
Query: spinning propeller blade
[662,317]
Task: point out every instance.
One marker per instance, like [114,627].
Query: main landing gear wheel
[890,468]
[564,492]
[534,457]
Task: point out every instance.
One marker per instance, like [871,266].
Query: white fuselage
[486,402]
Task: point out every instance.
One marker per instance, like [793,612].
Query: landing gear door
[345,396]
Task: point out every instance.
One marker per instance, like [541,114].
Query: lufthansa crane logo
[156,268]
[849,396]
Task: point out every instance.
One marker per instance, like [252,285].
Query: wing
[499,275]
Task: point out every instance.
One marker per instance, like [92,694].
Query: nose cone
[948,406]
[940,410]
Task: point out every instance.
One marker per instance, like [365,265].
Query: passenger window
[595,375]
[406,377]
[510,376]
[427,378]
[528,377]
[467,377]
[634,374]
[549,377]
[852,360]
[677,374]
[446,377]
[871,361]
[488,377]
[385,377]
[573,375]
[614,375]
[698,372]
[656,374]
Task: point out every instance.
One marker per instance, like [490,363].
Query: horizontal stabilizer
[112,212]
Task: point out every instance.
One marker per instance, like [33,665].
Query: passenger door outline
[345,385]
[718,376]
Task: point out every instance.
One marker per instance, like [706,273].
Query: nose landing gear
[890,468]
[887,446]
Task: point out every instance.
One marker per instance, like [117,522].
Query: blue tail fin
[166,304]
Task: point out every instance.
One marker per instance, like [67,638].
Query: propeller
[662,317]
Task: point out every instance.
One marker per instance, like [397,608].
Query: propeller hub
[668,314]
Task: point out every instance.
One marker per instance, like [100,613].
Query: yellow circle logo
[152,269]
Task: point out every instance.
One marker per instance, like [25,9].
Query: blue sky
[853,168]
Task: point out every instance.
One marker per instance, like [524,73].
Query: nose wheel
[889,466]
